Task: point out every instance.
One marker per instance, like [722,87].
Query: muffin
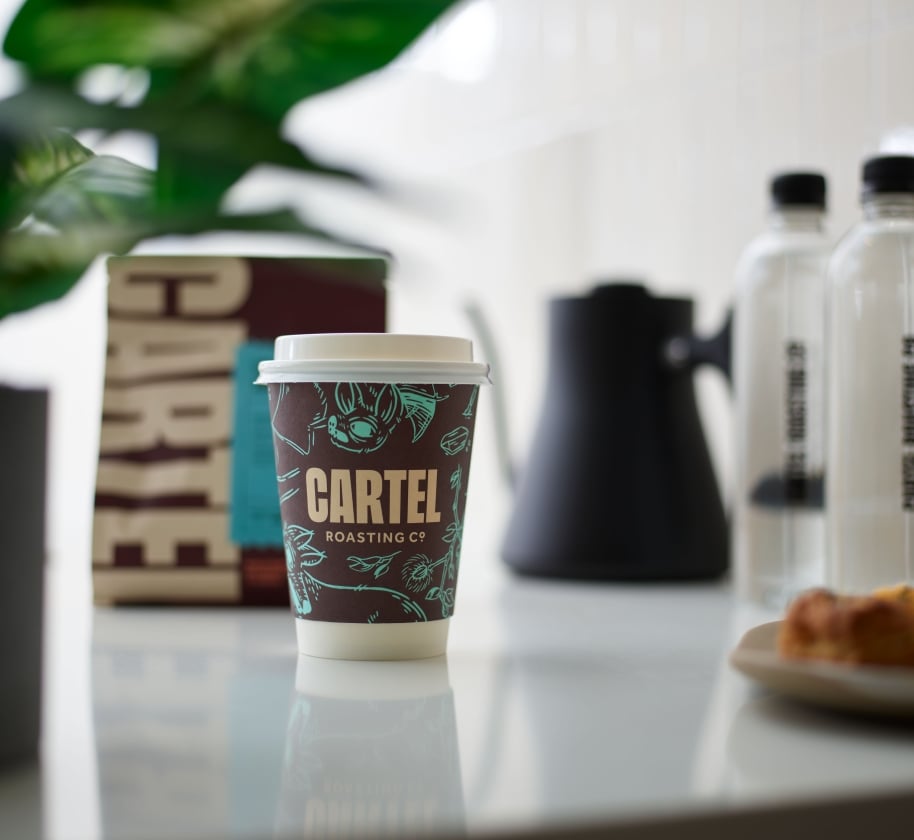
[876,629]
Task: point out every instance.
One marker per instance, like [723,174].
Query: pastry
[900,592]
[875,629]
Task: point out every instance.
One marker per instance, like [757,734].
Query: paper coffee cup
[372,436]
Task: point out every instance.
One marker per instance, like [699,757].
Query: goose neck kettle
[619,483]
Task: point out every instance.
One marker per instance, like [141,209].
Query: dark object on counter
[23,455]
[619,483]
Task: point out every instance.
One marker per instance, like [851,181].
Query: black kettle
[619,483]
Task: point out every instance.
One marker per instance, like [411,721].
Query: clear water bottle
[870,451]
[778,522]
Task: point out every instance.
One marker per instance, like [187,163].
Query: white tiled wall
[560,141]
[612,137]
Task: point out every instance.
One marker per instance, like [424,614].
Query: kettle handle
[686,352]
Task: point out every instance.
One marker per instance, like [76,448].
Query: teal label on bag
[255,519]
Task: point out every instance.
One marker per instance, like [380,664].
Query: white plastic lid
[373,357]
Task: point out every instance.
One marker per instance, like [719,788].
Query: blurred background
[549,144]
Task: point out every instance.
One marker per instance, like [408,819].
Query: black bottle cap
[798,189]
[888,174]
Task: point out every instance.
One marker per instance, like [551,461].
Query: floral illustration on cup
[306,587]
[420,572]
[363,415]
[436,578]
[360,418]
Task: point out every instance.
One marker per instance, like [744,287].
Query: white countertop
[559,705]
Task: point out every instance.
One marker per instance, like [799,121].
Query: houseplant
[219,77]
[216,80]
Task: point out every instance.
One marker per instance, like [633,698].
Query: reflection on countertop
[371,747]
[776,748]
[757,747]
[207,724]
[556,704]
[190,717]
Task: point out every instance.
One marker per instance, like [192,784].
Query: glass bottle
[778,522]
[870,450]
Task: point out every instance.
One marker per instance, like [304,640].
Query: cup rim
[372,357]
[271,372]
[377,346]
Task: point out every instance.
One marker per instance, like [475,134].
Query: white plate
[868,689]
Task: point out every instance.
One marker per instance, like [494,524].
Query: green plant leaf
[268,54]
[227,134]
[39,266]
[103,188]
[62,205]
[203,151]
[25,290]
[223,74]
[29,164]
[61,39]
[47,156]
[273,221]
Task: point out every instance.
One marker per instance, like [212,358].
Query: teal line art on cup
[377,564]
[300,553]
[417,574]
[367,414]
[363,415]
[360,418]
[458,439]
[455,441]
[304,449]
[471,403]
[418,571]
[286,494]
[305,587]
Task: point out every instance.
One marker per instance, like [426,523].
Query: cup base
[342,640]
